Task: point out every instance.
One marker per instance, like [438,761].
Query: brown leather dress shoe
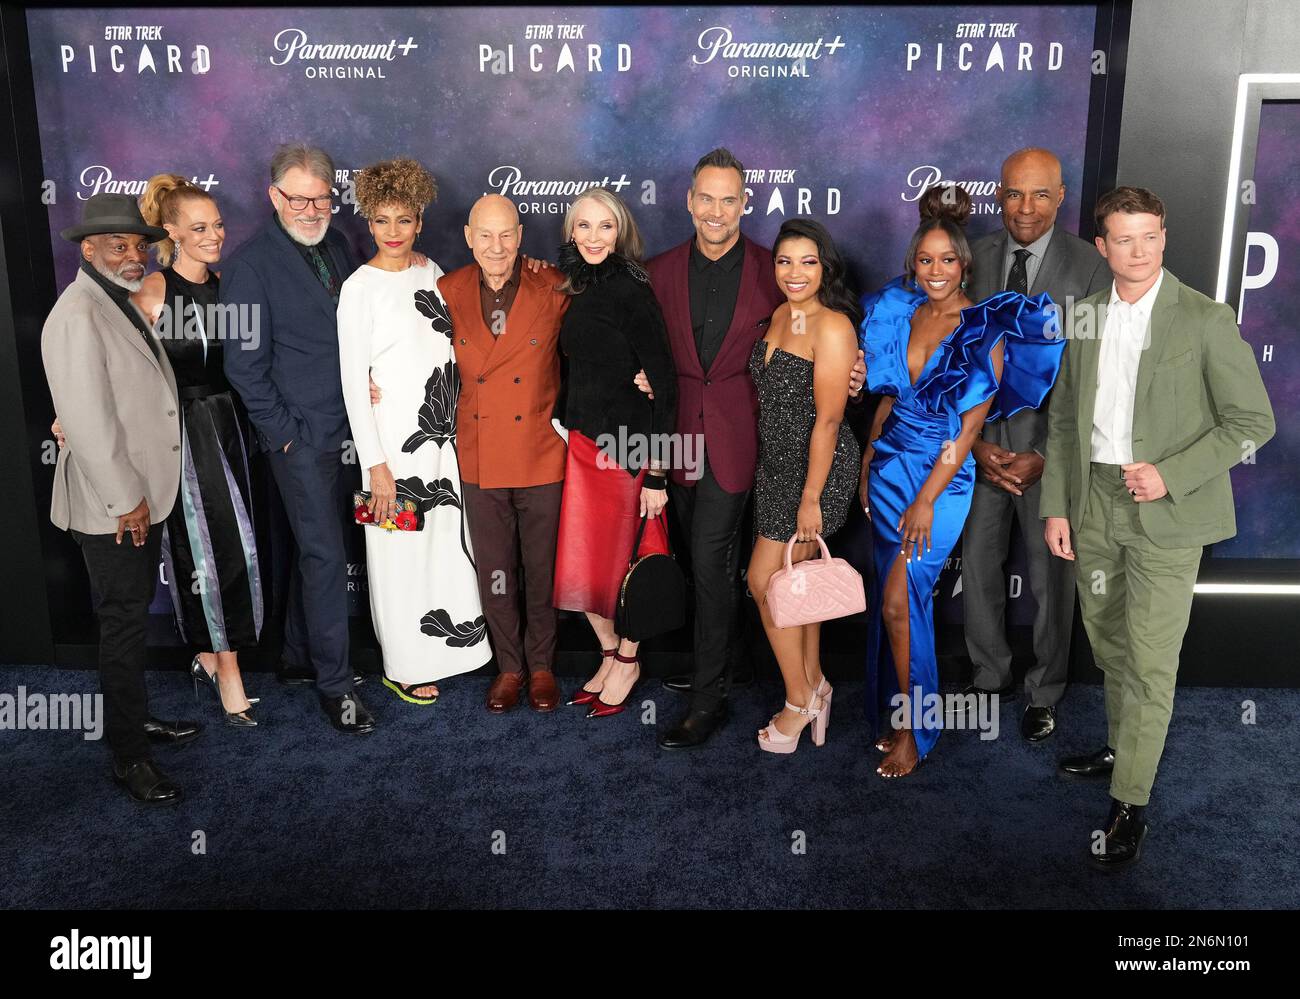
[504,692]
[543,691]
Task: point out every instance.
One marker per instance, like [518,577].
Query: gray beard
[302,240]
[131,286]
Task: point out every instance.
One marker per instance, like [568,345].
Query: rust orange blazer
[508,383]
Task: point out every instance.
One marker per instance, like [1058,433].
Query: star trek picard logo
[134,50]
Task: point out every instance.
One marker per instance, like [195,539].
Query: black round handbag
[652,599]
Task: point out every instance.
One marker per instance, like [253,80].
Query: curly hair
[162,199]
[402,181]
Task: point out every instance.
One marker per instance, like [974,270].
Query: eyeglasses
[298,202]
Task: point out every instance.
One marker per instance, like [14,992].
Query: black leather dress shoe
[347,714]
[1090,767]
[177,733]
[682,682]
[955,707]
[146,784]
[303,676]
[1038,723]
[695,728]
[1126,828]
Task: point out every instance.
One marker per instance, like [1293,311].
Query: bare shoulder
[833,330]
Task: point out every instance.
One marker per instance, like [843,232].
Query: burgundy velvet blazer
[720,403]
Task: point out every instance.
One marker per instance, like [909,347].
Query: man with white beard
[286,279]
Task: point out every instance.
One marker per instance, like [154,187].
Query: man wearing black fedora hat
[117,478]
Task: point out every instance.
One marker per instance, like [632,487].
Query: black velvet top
[613,328]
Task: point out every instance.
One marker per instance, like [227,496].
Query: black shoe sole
[1100,775]
[1119,865]
[353,731]
[183,741]
[146,802]
[692,745]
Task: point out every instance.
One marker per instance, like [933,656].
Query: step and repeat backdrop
[1267,490]
[845,115]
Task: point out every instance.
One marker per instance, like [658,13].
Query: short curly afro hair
[402,181]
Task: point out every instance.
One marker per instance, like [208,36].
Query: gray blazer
[117,405]
[1071,268]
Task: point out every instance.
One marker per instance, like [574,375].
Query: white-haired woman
[617,463]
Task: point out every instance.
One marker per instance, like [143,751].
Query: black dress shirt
[714,286]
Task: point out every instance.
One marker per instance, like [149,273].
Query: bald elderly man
[1030,254]
[505,331]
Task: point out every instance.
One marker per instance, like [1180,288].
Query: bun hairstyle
[945,207]
[161,202]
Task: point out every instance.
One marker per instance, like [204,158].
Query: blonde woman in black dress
[808,457]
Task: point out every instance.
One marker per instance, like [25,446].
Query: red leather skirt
[599,516]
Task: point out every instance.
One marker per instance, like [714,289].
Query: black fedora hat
[112,213]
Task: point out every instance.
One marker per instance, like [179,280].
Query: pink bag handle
[789,550]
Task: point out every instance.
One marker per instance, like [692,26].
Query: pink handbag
[814,590]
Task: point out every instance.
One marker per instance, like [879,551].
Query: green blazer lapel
[1159,336]
[1085,363]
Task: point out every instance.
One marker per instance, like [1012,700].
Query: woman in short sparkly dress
[208,543]
[808,457]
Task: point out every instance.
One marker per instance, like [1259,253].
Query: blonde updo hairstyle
[401,182]
[160,204]
[945,207]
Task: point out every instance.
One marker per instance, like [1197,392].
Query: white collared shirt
[1122,342]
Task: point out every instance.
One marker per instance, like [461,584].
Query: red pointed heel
[600,709]
[583,696]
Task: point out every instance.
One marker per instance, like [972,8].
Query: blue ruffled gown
[957,377]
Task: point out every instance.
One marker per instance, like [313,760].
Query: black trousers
[316,618]
[711,519]
[123,579]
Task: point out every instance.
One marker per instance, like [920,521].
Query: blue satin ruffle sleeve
[884,333]
[959,374]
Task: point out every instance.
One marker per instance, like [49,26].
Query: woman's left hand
[808,522]
[914,526]
[653,502]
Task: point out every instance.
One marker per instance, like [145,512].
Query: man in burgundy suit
[718,293]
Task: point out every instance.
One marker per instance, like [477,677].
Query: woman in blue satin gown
[943,365]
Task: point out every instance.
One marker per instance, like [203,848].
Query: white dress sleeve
[356,329]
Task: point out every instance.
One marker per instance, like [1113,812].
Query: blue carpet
[593,814]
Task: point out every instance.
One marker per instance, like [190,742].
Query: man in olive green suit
[1157,397]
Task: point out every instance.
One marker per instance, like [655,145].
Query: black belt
[199,392]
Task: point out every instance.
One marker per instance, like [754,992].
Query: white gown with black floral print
[424,597]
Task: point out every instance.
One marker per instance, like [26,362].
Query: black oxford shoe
[1125,830]
[177,733]
[695,728]
[347,714]
[146,784]
[1038,723]
[1093,766]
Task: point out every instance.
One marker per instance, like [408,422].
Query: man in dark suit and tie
[287,277]
[718,292]
[1031,254]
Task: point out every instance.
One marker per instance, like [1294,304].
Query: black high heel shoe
[240,719]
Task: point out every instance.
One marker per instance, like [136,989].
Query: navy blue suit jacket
[286,370]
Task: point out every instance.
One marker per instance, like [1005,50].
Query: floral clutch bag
[409,517]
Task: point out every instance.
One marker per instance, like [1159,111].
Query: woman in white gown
[393,327]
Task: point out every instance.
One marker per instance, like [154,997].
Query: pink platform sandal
[777,742]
